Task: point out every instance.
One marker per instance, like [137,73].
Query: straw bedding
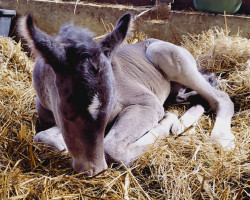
[187,167]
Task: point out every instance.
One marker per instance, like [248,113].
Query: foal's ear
[42,44]
[117,36]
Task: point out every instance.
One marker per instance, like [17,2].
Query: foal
[84,85]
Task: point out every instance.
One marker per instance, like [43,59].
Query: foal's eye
[107,53]
[95,69]
[93,66]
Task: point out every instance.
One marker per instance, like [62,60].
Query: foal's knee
[116,151]
[173,60]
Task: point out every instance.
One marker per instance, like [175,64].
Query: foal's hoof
[225,141]
[52,138]
[188,120]
[177,128]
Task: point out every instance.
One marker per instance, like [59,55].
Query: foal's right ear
[42,44]
[117,36]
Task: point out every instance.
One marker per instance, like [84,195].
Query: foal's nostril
[80,169]
[88,173]
[87,168]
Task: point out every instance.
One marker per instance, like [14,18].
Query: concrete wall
[159,22]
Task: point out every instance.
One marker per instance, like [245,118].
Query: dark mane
[78,39]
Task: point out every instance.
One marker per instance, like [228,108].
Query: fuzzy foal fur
[85,86]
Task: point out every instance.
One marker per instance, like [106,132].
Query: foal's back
[137,80]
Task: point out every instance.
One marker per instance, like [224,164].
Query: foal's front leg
[169,124]
[131,124]
[51,137]
[130,138]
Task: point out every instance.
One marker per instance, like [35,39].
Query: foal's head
[84,82]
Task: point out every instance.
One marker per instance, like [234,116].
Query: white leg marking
[93,108]
[188,119]
[182,96]
[52,137]
[221,133]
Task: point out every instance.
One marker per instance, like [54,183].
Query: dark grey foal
[84,85]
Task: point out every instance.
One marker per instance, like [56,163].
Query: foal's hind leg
[179,66]
[52,137]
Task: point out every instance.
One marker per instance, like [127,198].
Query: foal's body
[141,88]
[129,99]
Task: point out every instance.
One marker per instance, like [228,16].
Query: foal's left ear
[42,44]
[117,36]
